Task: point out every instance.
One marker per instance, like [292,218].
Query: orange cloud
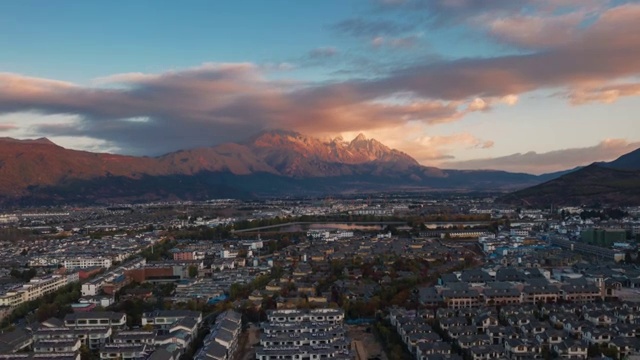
[213,103]
[604,94]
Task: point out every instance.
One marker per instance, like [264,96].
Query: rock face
[271,163]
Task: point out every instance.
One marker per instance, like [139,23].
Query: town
[400,276]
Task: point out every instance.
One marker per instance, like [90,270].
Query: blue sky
[454,83]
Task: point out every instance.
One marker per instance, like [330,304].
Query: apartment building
[92,337]
[222,341]
[35,288]
[303,334]
[164,319]
[93,319]
[69,345]
[123,351]
[87,262]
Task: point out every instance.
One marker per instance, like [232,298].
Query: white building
[83,263]
[34,289]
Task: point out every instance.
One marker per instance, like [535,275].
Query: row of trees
[56,304]
[23,275]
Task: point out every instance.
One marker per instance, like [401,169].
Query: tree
[86,354]
[594,351]
[193,271]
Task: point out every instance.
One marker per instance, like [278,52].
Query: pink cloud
[8,127]
[539,163]
[212,103]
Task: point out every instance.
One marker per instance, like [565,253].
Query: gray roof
[224,335]
[216,351]
[161,354]
[12,341]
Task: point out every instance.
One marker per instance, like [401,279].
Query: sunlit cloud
[539,163]
[220,102]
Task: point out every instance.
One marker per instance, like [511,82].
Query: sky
[519,85]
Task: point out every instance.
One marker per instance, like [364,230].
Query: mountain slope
[615,183]
[629,161]
[270,163]
[297,155]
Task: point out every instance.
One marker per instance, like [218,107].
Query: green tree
[86,354]
[193,271]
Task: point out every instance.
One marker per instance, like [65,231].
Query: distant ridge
[614,183]
[271,163]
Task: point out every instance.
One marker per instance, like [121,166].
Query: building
[89,262]
[303,334]
[35,288]
[93,319]
[164,319]
[603,237]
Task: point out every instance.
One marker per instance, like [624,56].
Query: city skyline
[532,86]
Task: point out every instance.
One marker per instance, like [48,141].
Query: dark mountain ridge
[613,183]
[270,163]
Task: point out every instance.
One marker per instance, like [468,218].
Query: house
[426,350]
[429,297]
[456,331]
[533,294]
[560,318]
[625,346]
[486,352]
[625,330]
[162,354]
[600,318]
[500,293]
[124,351]
[550,337]
[499,334]
[14,341]
[596,336]
[580,293]
[164,319]
[518,349]
[468,341]
[443,312]
[94,319]
[475,277]
[57,345]
[533,328]
[485,320]
[571,349]
[461,298]
[446,323]
[134,337]
[626,316]
[518,320]
[576,327]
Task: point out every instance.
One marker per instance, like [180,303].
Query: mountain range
[614,183]
[271,163]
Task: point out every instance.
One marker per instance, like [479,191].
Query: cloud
[452,12]
[478,104]
[608,50]
[534,31]
[322,52]
[427,150]
[406,42]
[430,149]
[210,104]
[361,27]
[558,160]
[8,127]
[218,102]
[604,94]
